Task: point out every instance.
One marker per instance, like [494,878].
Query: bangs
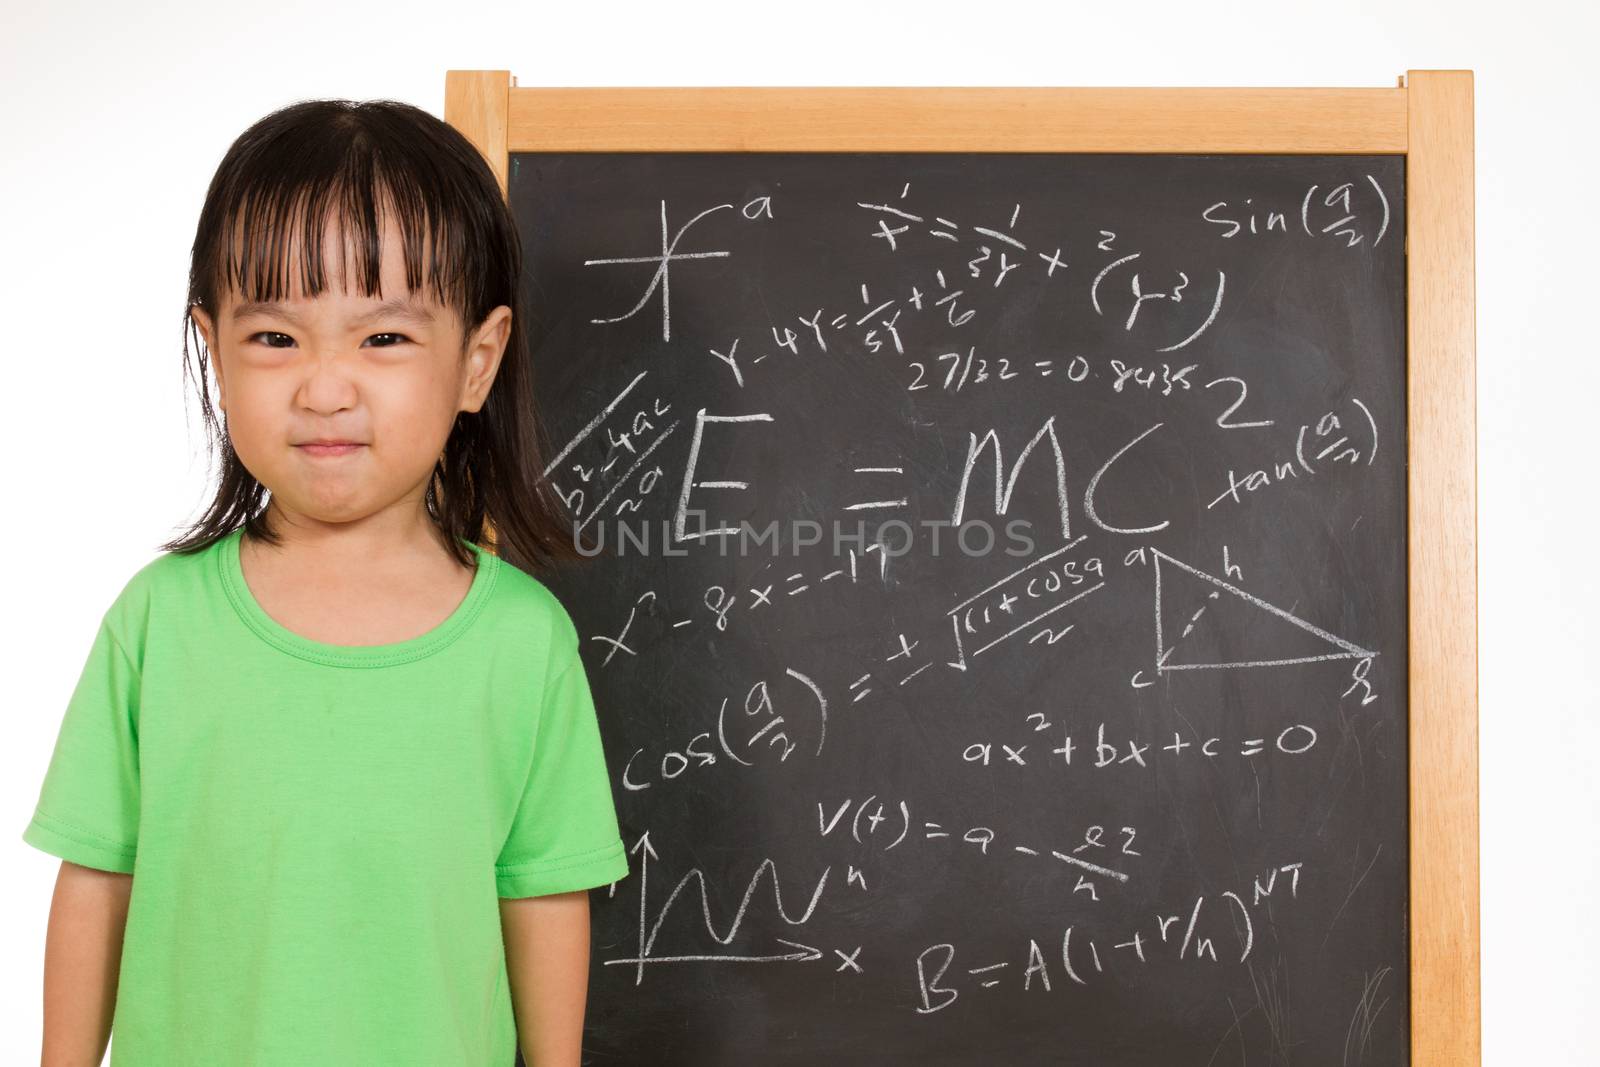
[272,235]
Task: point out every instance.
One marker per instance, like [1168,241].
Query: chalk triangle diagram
[1205,623]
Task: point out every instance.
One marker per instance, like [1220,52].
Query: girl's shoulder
[531,603]
[168,580]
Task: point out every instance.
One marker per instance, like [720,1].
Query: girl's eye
[400,338]
[272,333]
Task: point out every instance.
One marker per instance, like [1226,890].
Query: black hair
[285,176]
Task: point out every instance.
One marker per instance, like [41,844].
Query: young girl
[330,789]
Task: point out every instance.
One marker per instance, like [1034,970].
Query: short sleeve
[564,836]
[88,809]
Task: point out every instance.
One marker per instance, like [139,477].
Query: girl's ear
[485,349]
[208,334]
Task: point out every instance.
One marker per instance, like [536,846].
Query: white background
[116,116]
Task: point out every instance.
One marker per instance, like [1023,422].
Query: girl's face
[384,375]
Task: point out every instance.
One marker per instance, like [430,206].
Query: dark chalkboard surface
[1000,637]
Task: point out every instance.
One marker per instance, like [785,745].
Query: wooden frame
[1428,118]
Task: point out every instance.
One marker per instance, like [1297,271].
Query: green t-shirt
[319,834]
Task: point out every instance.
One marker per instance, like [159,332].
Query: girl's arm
[82,955]
[547,961]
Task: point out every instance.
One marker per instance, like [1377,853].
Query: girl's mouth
[340,449]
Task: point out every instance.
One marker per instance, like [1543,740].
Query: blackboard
[1109,768]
